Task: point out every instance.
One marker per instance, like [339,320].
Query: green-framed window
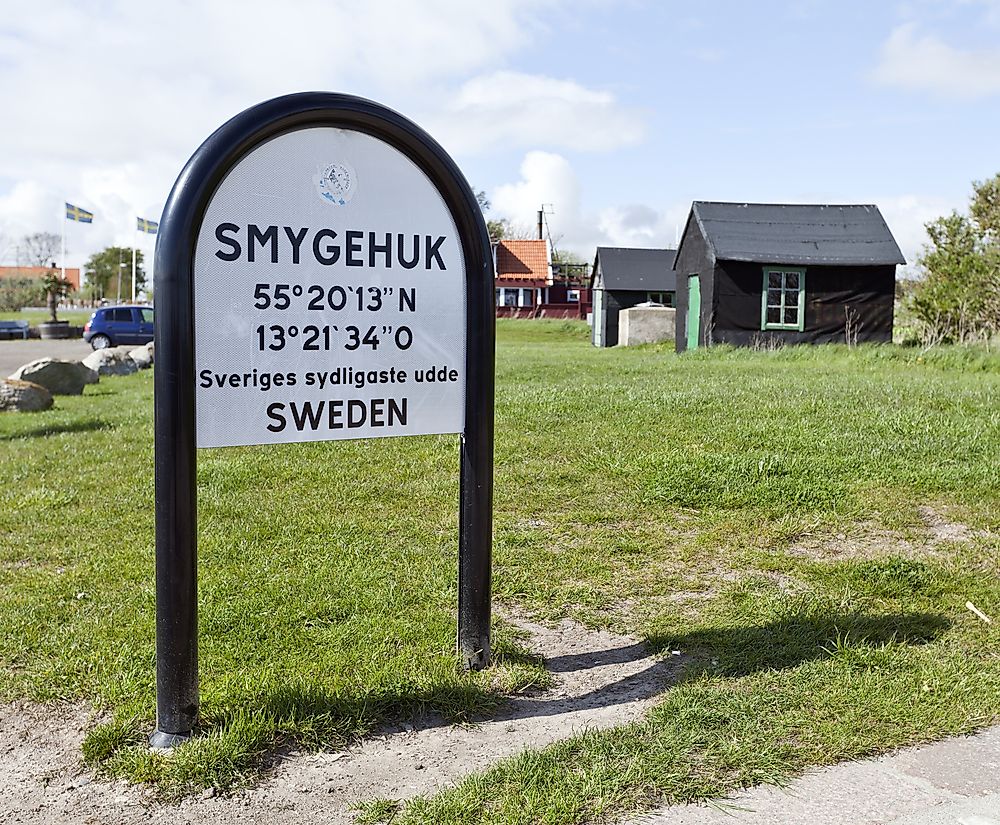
[665,298]
[783,303]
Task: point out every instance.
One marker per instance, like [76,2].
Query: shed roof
[637,269]
[777,233]
[523,260]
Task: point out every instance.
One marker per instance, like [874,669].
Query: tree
[40,248]
[16,293]
[504,229]
[56,287]
[985,206]
[499,228]
[103,268]
[958,296]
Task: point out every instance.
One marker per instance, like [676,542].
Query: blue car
[113,326]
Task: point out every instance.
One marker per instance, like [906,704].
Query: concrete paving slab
[956,782]
[955,766]
[985,811]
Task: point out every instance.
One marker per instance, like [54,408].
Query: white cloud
[638,225]
[546,179]
[906,216]
[926,63]
[22,211]
[510,108]
[103,103]
[549,179]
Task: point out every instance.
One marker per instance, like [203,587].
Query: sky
[613,115]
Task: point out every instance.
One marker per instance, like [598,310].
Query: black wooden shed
[623,278]
[750,273]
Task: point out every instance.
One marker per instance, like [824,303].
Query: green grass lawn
[765,512]
[76,317]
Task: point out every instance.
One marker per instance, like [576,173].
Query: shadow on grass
[600,679]
[740,651]
[239,741]
[285,717]
[88,426]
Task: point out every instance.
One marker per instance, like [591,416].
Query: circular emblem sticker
[336,183]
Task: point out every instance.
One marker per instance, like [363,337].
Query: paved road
[955,782]
[15,353]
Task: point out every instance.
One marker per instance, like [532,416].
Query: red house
[36,273]
[528,285]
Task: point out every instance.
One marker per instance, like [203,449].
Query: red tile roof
[524,262]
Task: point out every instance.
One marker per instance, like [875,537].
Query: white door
[598,326]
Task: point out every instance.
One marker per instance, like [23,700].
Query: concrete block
[646,325]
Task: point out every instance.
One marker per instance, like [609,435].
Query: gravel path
[602,680]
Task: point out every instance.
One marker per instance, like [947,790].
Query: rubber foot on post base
[160,741]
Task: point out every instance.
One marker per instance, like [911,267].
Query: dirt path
[602,680]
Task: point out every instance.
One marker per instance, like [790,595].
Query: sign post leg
[176,643]
[475,512]
[474,559]
[176,512]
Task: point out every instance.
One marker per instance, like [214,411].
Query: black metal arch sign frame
[323,271]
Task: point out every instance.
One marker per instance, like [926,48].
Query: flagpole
[62,250]
[133,260]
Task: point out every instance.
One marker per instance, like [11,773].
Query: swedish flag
[149,227]
[75,213]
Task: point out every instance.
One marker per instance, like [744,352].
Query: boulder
[57,376]
[143,356]
[113,361]
[89,376]
[23,396]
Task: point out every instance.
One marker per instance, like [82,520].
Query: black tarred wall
[867,292]
[693,258]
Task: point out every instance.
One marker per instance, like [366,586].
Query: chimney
[541,218]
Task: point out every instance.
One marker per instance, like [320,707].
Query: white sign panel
[329,297]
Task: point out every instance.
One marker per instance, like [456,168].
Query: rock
[89,376]
[57,376]
[143,356]
[23,396]
[114,361]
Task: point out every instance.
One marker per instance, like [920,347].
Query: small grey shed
[625,277]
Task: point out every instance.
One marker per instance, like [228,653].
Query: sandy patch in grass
[868,541]
[941,529]
[601,680]
[865,541]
